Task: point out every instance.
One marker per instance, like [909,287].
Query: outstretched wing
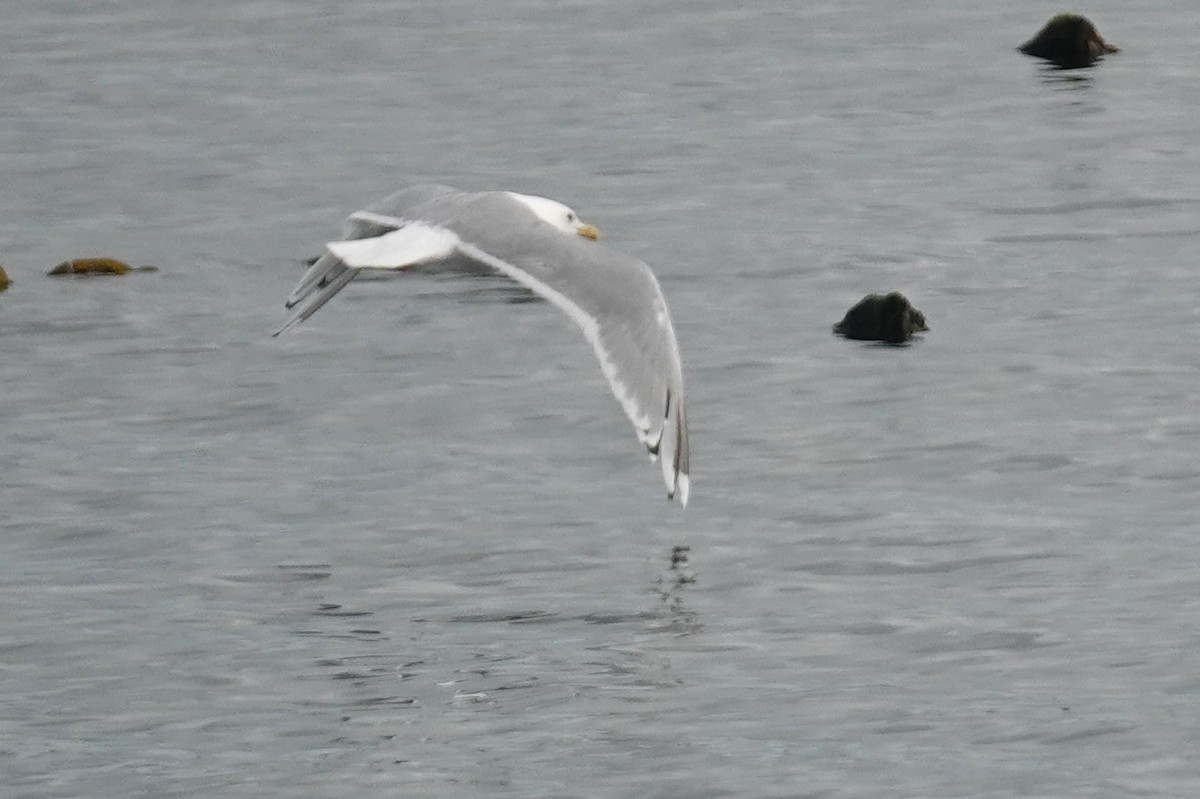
[329,274]
[622,312]
[613,298]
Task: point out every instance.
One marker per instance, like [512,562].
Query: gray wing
[617,302]
[614,299]
[328,275]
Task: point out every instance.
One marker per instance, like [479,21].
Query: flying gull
[543,245]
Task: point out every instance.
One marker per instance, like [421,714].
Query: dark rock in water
[97,266]
[4,281]
[882,317]
[1070,41]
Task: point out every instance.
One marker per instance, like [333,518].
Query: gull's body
[542,245]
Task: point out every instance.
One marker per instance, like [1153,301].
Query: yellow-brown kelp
[4,281]
[882,317]
[97,266]
[1069,41]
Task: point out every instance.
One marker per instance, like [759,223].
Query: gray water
[412,549]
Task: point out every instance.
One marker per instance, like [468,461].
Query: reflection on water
[368,660]
[1066,79]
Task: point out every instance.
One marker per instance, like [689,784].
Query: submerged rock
[4,281]
[97,266]
[1070,41]
[882,317]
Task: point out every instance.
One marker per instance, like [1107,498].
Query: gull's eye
[570,216]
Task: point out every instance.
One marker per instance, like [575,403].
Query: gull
[544,246]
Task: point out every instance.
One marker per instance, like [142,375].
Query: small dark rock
[1069,41]
[882,317]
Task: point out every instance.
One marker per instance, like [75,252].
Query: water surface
[412,549]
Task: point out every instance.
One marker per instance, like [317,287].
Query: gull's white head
[557,214]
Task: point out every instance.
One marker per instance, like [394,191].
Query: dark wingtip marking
[658,444]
